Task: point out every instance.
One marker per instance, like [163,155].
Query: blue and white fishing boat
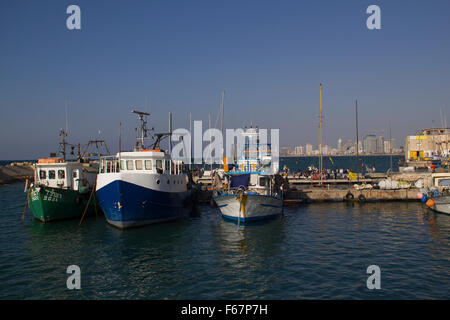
[254,190]
[143,186]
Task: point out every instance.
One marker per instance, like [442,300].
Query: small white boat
[251,191]
[439,204]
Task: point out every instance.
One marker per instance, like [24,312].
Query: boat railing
[252,188]
[245,169]
[109,164]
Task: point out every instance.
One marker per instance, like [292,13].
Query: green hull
[50,204]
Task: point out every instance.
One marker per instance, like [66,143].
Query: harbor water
[317,251]
[382,163]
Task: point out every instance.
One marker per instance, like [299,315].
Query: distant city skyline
[269,58]
[371,144]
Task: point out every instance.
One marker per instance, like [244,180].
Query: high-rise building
[347,146]
[360,147]
[299,150]
[370,143]
[285,151]
[309,149]
[380,144]
[387,146]
[339,145]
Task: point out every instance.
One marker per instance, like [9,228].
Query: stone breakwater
[16,171]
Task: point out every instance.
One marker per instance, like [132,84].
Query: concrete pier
[15,172]
[351,194]
[306,191]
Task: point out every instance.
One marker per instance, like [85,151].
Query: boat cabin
[262,184]
[55,173]
[156,162]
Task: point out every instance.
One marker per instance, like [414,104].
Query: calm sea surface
[316,251]
[382,163]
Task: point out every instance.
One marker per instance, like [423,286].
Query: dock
[300,190]
[339,190]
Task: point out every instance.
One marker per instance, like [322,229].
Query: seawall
[16,171]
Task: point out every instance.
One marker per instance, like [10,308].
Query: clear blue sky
[269,57]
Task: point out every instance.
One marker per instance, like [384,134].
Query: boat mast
[210,140]
[320,141]
[390,143]
[357,141]
[222,129]
[143,129]
[120,143]
[170,131]
[63,143]
[190,144]
[223,111]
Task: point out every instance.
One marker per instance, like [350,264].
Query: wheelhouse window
[122,165]
[42,174]
[159,166]
[262,182]
[130,165]
[139,165]
[61,174]
[51,174]
[148,164]
[172,167]
[108,166]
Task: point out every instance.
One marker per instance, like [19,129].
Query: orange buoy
[430,203]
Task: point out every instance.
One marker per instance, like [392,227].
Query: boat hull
[441,204]
[52,204]
[250,208]
[129,205]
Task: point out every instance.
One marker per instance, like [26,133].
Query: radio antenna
[143,129]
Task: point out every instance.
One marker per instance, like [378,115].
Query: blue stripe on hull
[251,219]
[128,205]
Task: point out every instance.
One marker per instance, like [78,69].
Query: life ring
[362,198]
[349,196]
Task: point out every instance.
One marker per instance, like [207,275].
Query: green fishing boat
[63,189]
